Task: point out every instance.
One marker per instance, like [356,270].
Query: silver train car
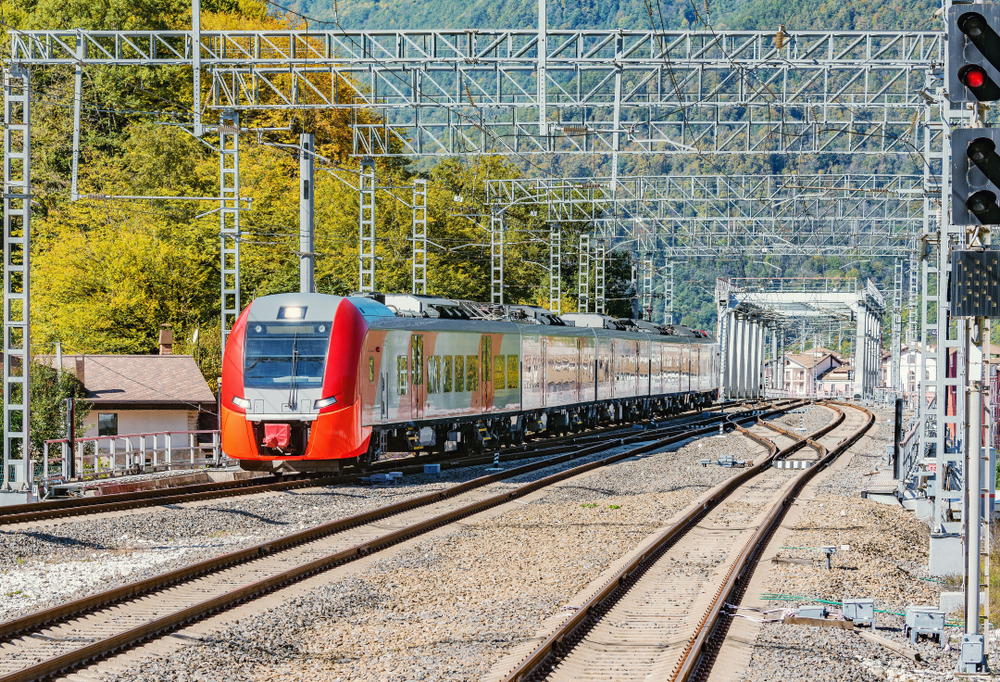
[422,373]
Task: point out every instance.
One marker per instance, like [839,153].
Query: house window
[107,424]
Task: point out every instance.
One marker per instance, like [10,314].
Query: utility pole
[307,213]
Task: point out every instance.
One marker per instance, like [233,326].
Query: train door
[486,386]
[578,376]
[383,385]
[418,395]
[543,375]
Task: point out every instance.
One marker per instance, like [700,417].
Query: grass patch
[588,505]
[614,506]
[994,574]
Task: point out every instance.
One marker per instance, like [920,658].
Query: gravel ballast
[55,561]
[453,605]
[886,560]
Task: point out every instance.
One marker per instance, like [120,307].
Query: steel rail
[617,585]
[697,645]
[24,625]
[63,508]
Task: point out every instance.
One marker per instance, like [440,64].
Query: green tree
[49,391]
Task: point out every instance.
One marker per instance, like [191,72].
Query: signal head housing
[974,53]
[975,176]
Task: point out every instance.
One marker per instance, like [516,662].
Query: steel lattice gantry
[717,216]
[634,92]
[750,307]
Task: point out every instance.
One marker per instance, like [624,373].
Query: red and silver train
[311,382]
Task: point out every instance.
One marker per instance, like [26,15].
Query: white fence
[109,456]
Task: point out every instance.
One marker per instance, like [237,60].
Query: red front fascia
[337,432]
[232,363]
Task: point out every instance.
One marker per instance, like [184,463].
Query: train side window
[499,372]
[447,373]
[371,369]
[417,346]
[401,374]
[459,374]
[433,374]
[513,370]
[487,354]
[471,373]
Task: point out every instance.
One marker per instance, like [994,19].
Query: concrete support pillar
[742,348]
[775,366]
[861,352]
[761,340]
[734,355]
[730,332]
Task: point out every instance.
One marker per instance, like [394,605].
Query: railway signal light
[973,53]
[975,176]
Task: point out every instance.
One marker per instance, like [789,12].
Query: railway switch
[861,611]
[811,611]
[924,620]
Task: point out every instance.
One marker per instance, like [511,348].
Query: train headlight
[325,402]
[241,402]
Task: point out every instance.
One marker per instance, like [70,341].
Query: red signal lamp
[973,77]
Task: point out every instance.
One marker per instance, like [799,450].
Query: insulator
[572,129]
[226,130]
[468,93]
[815,111]
[779,38]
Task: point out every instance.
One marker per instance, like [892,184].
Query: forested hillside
[796,15]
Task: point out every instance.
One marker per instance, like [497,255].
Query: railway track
[64,508]
[64,637]
[658,617]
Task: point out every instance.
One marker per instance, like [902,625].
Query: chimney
[78,365]
[166,340]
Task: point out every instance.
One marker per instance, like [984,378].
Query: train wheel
[477,440]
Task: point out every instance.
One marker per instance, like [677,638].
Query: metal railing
[109,456]
[909,451]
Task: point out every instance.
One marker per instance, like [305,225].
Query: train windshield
[275,352]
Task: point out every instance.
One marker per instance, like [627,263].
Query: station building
[133,394]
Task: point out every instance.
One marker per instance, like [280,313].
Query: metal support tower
[81,53]
[583,275]
[366,226]
[599,257]
[668,294]
[942,342]
[307,213]
[229,218]
[647,288]
[897,326]
[555,268]
[419,236]
[913,301]
[16,477]
[496,257]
